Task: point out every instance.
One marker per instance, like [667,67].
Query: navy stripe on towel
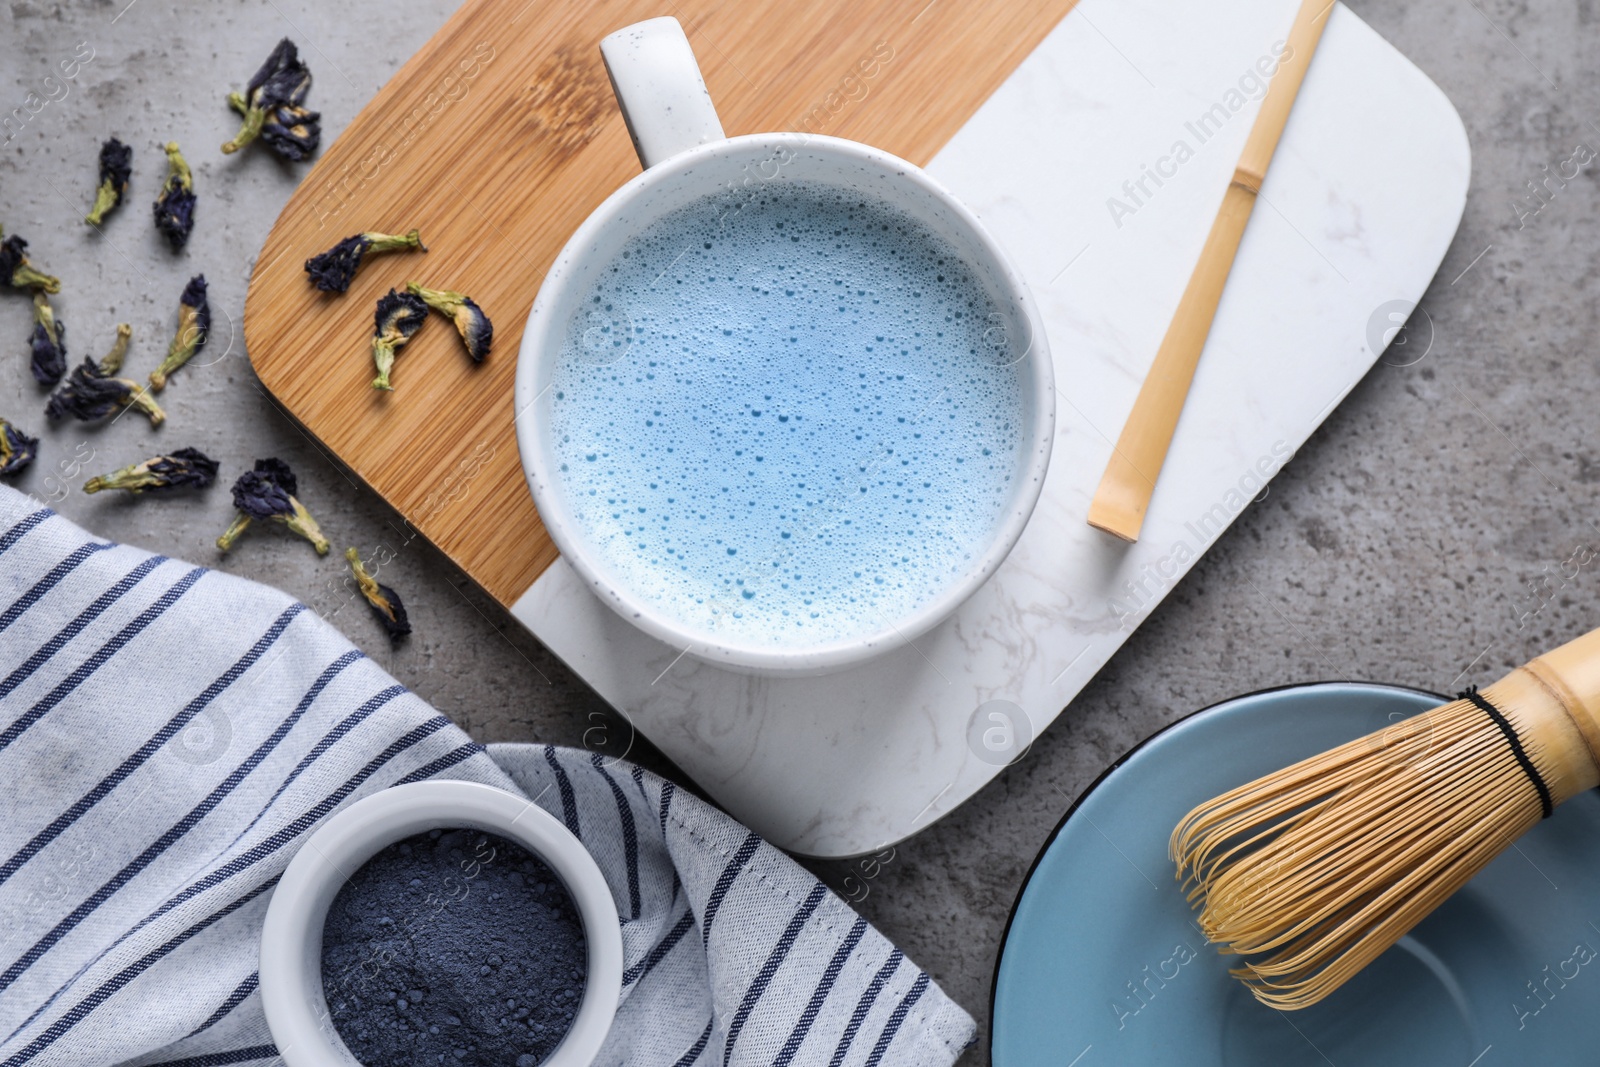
[298,826]
[569,801]
[236,998]
[798,1035]
[51,580]
[80,1011]
[328,740]
[892,1027]
[667,789]
[747,849]
[865,1005]
[630,836]
[105,652]
[779,953]
[20,530]
[659,952]
[224,1059]
[150,747]
[698,1047]
[443,763]
[173,833]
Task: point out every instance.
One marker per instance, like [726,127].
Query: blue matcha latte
[794,422]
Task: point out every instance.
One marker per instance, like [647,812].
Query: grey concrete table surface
[1441,527]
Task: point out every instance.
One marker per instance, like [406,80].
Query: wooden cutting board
[496,140]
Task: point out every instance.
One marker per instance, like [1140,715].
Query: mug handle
[659,89]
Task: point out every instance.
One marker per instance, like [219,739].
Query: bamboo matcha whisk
[1313,871]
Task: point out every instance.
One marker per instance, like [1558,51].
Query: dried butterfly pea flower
[17,449]
[384,602]
[18,272]
[273,107]
[48,343]
[89,394]
[194,324]
[116,167]
[398,318]
[174,208]
[93,391]
[277,471]
[185,468]
[477,332]
[254,119]
[111,362]
[293,132]
[282,79]
[333,270]
[267,493]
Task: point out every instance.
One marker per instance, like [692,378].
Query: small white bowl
[291,942]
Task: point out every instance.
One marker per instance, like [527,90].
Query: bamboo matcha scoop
[1315,870]
[1120,503]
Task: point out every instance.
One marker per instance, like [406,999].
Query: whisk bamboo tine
[1312,872]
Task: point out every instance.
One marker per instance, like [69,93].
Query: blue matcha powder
[453,947]
[794,420]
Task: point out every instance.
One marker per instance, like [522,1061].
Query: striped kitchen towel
[169,735]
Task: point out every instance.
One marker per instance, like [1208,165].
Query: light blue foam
[794,421]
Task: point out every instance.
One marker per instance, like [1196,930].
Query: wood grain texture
[496,140]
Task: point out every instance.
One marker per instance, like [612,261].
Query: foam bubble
[798,432]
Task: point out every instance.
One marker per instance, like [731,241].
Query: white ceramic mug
[291,938]
[686,158]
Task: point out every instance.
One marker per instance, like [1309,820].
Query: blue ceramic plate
[1102,962]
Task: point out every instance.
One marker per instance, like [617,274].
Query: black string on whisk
[1471,693]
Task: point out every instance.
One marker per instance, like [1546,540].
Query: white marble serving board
[1361,203]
